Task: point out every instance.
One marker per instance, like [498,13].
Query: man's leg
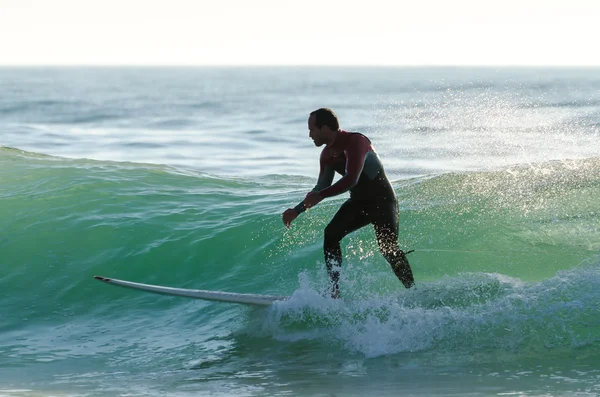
[350,217]
[385,222]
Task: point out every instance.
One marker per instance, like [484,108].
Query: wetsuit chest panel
[338,163]
[371,164]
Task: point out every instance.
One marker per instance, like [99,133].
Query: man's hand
[312,199]
[288,216]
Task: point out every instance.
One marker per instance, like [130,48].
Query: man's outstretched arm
[325,179]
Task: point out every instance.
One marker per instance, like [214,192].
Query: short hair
[325,116]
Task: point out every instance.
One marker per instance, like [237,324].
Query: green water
[505,263]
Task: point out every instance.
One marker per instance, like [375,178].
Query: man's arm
[355,161]
[326,174]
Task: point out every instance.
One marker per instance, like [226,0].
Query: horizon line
[226,65]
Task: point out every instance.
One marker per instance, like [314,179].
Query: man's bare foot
[335,293]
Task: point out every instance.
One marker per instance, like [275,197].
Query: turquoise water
[178,177]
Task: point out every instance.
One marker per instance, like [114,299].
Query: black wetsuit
[372,201]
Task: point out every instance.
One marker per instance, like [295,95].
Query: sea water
[179,176]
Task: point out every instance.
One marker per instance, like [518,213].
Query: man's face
[314,132]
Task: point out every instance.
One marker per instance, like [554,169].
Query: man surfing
[372,198]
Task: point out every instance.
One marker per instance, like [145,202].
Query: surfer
[372,198]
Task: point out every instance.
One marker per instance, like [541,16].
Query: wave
[503,259]
[463,316]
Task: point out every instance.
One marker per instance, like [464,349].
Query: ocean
[179,176]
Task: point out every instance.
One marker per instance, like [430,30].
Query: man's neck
[333,138]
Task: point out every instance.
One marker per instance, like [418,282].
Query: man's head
[323,126]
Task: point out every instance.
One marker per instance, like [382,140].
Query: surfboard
[220,296]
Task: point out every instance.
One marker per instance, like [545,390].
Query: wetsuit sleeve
[326,174]
[355,152]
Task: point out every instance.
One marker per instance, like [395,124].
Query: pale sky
[299,32]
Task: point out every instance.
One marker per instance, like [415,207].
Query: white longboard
[248,299]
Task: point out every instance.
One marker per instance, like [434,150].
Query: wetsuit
[372,201]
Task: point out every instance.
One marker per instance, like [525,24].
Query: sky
[300,32]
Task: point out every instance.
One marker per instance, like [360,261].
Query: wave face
[504,260]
